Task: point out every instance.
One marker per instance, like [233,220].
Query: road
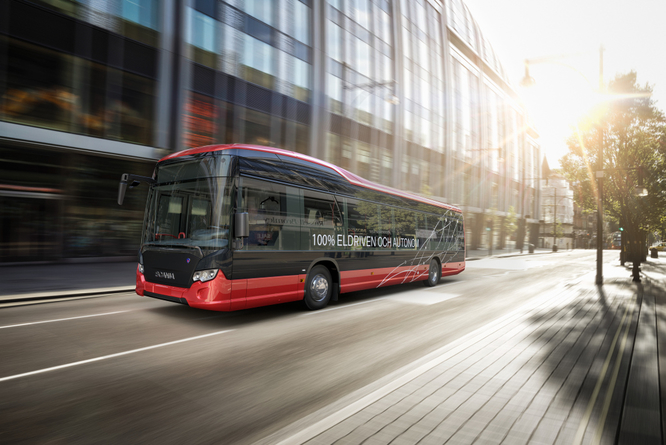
[124,368]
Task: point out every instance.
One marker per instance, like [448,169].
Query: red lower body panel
[221,294]
[355,280]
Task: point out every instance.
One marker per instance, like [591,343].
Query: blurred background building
[558,213]
[407,93]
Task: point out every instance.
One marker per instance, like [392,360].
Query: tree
[509,225]
[634,152]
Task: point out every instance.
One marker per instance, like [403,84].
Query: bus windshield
[190,205]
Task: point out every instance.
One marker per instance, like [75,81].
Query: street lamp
[529,81]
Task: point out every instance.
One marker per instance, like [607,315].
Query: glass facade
[406,93]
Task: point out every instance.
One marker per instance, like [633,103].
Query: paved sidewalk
[34,282]
[578,365]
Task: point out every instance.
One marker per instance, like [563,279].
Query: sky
[632,33]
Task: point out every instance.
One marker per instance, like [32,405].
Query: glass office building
[407,93]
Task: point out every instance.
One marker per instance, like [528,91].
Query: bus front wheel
[318,288]
[434,273]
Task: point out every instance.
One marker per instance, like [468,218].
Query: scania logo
[166,275]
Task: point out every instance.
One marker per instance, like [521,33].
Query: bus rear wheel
[318,288]
[434,273]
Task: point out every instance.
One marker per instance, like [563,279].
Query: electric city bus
[231,227]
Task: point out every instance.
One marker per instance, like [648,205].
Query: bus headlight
[204,275]
[140,268]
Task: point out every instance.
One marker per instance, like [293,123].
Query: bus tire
[434,273]
[318,288]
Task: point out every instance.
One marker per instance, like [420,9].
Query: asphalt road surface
[124,368]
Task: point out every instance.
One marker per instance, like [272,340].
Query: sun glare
[557,102]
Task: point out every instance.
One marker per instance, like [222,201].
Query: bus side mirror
[133,181]
[242,225]
[122,188]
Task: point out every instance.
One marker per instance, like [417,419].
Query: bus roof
[350,177]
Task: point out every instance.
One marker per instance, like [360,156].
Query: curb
[42,296]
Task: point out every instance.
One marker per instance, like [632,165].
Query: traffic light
[621,229]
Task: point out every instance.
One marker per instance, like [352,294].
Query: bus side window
[274,212]
[321,221]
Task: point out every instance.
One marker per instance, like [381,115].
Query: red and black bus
[231,227]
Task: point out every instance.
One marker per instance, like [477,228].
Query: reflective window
[302,22]
[108,102]
[274,212]
[202,30]
[334,92]
[200,115]
[302,74]
[363,57]
[258,59]
[261,9]
[363,160]
[385,26]
[143,12]
[321,221]
[334,41]
[362,13]
[363,222]
[257,128]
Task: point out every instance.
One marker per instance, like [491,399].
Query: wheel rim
[319,287]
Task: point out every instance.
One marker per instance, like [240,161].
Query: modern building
[558,213]
[407,93]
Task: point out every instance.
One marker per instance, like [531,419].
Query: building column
[320,118]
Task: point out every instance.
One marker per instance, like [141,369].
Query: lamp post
[599,279]
[529,81]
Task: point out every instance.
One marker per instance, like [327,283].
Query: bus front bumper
[214,295]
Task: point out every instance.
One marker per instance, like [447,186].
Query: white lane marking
[60,319]
[119,354]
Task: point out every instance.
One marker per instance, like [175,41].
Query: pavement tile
[546,431]
[522,429]
[566,436]
[414,433]
[468,431]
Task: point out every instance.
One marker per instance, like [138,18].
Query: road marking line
[602,375]
[119,354]
[60,319]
